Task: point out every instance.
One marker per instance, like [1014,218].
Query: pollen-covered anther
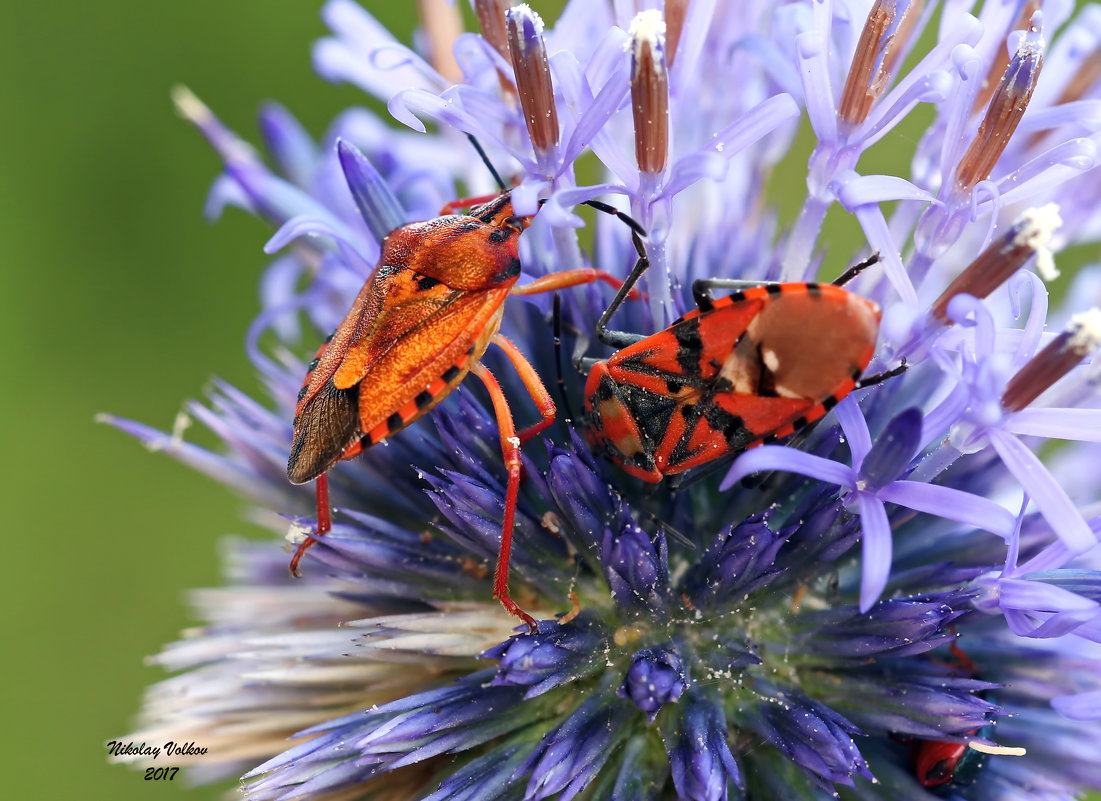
[442,26]
[1028,236]
[650,91]
[1080,338]
[533,78]
[1007,106]
[1000,61]
[885,32]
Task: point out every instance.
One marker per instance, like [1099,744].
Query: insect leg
[566,278]
[701,289]
[629,221]
[324,521]
[872,380]
[856,270]
[533,385]
[621,339]
[510,450]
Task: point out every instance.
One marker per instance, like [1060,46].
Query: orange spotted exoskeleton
[420,324]
[738,371]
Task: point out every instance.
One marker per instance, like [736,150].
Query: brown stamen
[903,31]
[675,12]
[875,54]
[442,25]
[1027,236]
[1083,78]
[1007,106]
[533,78]
[1001,58]
[491,16]
[1081,338]
[649,91]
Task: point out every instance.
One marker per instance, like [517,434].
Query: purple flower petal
[880,239]
[700,758]
[381,210]
[1066,609]
[894,449]
[569,757]
[552,656]
[1052,500]
[950,503]
[857,436]
[1081,706]
[597,113]
[656,677]
[756,123]
[1059,165]
[876,553]
[813,54]
[777,457]
[697,25]
[813,736]
[1083,425]
[366,54]
[636,567]
[854,190]
[578,94]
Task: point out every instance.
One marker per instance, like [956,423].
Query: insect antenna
[879,378]
[672,532]
[856,270]
[683,481]
[485,160]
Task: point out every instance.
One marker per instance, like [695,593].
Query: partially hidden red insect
[422,321]
[941,763]
[739,371]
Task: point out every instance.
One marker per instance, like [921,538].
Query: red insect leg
[324,521]
[510,450]
[566,278]
[534,386]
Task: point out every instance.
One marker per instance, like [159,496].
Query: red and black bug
[739,371]
[948,763]
[422,321]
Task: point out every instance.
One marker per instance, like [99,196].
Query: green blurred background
[120,298]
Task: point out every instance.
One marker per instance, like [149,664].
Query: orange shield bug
[738,371]
[422,321]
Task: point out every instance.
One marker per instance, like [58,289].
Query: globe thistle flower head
[810,618]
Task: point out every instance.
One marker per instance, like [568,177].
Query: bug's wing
[323,430]
[399,340]
[402,382]
[688,354]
